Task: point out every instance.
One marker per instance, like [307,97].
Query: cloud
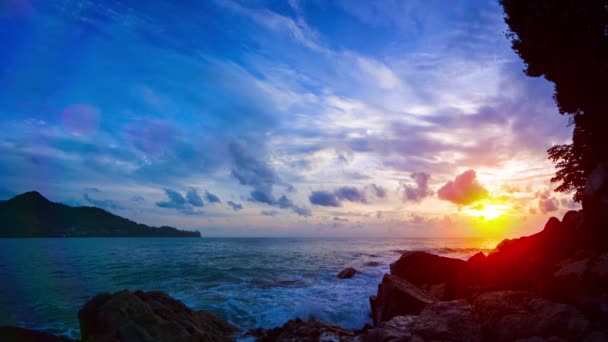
[420,191]
[254,172]
[376,190]
[194,198]
[269,212]
[346,193]
[547,205]
[465,189]
[569,203]
[137,199]
[105,204]
[235,206]
[351,194]
[324,198]
[176,200]
[211,198]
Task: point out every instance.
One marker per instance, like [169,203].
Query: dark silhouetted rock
[424,269]
[514,315]
[347,273]
[477,260]
[397,297]
[148,316]
[305,331]
[15,334]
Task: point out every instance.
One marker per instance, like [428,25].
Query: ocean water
[251,282]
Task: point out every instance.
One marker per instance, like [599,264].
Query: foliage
[566,41]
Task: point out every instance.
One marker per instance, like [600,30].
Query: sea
[250,282]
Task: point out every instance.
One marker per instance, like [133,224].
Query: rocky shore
[550,286]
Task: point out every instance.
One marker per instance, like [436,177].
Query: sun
[488,211]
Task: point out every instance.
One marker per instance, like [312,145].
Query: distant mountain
[32,215]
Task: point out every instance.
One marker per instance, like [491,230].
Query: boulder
[397,297]
[347,273]
[514,315]
[422,268]
[595,199]
[440,321]
[148,316]
[582,281]
[16,334]
[305,331]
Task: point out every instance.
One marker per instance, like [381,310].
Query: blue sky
[277,118]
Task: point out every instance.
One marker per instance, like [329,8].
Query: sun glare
[486,211]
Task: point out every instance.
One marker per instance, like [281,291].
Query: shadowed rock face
[15,334]
[397,297]
[306,331]
[148,316]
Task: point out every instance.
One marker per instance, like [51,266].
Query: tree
[566,41]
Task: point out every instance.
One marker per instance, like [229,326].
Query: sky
[279,118]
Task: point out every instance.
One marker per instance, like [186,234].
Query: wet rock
[513,315]
[306,331]
[397,297]
[16,334]
[148,316]
[347,273]
[440,321]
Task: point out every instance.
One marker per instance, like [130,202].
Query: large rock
[397,297]
[347,273]
[306,331]
[440,321]
[426,269]
[513,315]
[582,281]
[148,316]
[16,334]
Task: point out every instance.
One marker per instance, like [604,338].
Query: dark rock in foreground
[306,331]
[15,334]
[32,215]
[148,316]
[347,273]
[396,297]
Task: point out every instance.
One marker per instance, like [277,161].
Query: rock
[347,273]
[397,297]
[422,268]
[398,328]
[477,260]
[16,334]
[440,321]
[513,315]
[148,316]
[306,331]
[595,199]
[373,264]
[582,282]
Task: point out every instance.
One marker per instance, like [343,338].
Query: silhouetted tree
[566,41]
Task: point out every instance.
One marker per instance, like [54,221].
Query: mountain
[32,215]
